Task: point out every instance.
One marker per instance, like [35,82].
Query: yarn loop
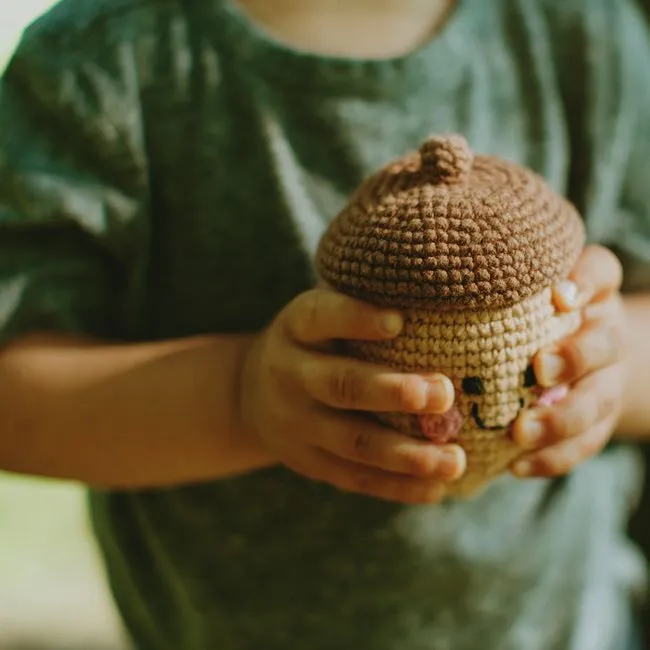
[446,158]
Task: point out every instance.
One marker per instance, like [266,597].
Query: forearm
[635,420]
[124,416]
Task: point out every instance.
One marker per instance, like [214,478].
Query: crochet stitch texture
[469,248]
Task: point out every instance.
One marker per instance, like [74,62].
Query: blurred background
[52,591]
[13,18]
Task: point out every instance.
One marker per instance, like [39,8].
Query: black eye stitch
[473,386]
[529,377]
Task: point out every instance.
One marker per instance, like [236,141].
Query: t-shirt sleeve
[72,188]
[634,235]
[602,60]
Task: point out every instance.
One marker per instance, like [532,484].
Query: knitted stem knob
[448,159]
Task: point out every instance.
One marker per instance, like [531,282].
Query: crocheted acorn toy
[468,248]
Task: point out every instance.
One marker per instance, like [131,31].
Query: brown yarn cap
[445,229]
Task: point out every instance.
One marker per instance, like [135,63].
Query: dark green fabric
[640,527]
[166,169]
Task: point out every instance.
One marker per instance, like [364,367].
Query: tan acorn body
[468,248]
[487,354]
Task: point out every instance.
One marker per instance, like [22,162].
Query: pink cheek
[443,428]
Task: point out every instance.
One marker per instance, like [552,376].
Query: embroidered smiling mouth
[541,397]
[480,423]
[474,386]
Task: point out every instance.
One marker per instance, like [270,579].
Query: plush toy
[468,248]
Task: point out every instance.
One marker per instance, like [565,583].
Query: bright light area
[14,16]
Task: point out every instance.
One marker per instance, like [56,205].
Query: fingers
[588,403]
[365,442]
[597,275]
[571,432]
[350,477]
[566,296]
[321,315]
[612,308]
[564,456]
[345,383]
[596,345]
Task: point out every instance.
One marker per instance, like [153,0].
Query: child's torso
[252,148]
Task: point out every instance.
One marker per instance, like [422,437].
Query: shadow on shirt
[640,533]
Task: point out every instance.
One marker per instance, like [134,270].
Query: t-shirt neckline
[258,49]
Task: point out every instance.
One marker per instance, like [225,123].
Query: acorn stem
[447,158]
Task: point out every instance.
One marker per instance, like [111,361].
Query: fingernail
[551,369]
[522,468]
[530,430]
[440,391]
[392,324]
[452,463]
[568,290]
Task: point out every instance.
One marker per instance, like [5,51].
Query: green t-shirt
[166,169]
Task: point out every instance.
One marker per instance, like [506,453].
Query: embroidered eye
[473,386]
[529,377]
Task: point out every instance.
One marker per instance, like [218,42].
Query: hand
[303,401]
[591,362]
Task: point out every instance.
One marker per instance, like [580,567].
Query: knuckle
[555,425]
[345,387]
[576,355]
[607,406]
[603,345]
[420,463]
[571,422]
[282,377]
[307,312]
[362,446]
[407,393]
[362,441]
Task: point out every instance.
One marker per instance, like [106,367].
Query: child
[166,170]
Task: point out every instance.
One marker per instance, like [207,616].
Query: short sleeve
[72,187]
[634,235]
[602,59]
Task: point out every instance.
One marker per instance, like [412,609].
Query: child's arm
[74,230]
[183,411]
[74,237]
[635,416]
[125,415]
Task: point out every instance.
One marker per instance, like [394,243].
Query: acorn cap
[444,229]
